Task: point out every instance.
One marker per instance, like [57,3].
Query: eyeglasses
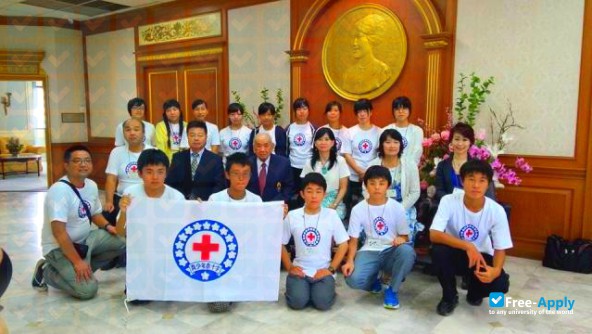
[240,175]
[77,161]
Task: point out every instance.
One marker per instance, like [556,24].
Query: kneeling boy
[311,276]
[470,234]
[385,249]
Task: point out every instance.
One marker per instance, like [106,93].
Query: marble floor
[28,311]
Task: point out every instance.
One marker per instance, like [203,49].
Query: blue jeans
[398,261]
[300,292]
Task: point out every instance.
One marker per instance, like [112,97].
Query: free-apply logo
[497,299]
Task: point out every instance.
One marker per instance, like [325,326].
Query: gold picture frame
[200,26]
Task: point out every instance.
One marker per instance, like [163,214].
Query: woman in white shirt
[235,137]
[333,168]
[411,133]
[404,173]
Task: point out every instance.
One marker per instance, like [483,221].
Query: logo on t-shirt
[365,146]
[235,143]
[131,168]
[405,142]
[205,250]
[176,138]
[299,139]
[337,144]
[380,226]
[82,210]
[469,233]
[311,237]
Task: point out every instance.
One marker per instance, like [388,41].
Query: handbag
[567,255]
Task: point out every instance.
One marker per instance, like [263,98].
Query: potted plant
[14,146]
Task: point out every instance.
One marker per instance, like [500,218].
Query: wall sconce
[5,100]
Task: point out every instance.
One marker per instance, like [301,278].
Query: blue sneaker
[376,286]
[391,299]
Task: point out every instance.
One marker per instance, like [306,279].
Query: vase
[14,154]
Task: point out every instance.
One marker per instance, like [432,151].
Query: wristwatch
[331,269]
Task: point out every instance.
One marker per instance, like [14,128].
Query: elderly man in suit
[197,172]
[271,175]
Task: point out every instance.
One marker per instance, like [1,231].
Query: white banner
[203,252]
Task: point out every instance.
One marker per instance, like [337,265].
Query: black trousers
[5,272]
[112,216]
[449,262]
[353,196]
[296,201]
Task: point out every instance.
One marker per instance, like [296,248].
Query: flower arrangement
[14,145]
[437,142]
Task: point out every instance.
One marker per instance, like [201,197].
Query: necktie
[262,178]
[194,157]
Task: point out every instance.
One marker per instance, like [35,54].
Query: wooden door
[184,82]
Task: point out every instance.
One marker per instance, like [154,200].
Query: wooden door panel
[201,82]
[162,84]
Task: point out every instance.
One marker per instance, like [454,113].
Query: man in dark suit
[197,172]
[271,175]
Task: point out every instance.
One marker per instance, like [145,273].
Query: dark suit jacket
[280,141]
[444,184]
[208,179]
[279,183]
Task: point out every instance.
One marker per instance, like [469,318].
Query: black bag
[573,256]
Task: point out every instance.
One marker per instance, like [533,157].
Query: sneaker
[391,299]
[376,286]
[219,307]
[38,282]
[474,302]
[446,308]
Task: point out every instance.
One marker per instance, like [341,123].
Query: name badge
[391,193]
[308,251]
[375,244]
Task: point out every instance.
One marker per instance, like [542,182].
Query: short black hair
[152,157]
[362,104]
[401,102]
[197,103]
[265,107]
[135,102]
[237,158]
[377,172]
[300,103]
[127,120]
[332,104]
[464,130]
[72,149]
[393,134]
[314,178]
[235,107]
[476,166]
[171,103]
[197,124]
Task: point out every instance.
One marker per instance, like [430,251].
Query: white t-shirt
[148,134]
[222,196]
[363,147]
[332,176]
[233,141]
[487,229]
[178,141]
[300,137]
[313,235]
[124,164]
[137,191]
[213,135]
[62,204]
[382,224]
[412,139]
[271,133]
[342,139]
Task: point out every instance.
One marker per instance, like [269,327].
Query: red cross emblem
[469,233]
[310,236]
[205,247]
[380,226]
[365,146]
[134,168]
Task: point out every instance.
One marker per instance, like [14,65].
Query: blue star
[229,238]
[223,231]
[207,225]
[227,263]
[232,246]
[205,276]
[179,245]
[179,253]
[188,230]
[197,226]
[215,227]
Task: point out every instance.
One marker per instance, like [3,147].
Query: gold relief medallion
[364,52]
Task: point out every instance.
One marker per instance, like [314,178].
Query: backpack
[567,255]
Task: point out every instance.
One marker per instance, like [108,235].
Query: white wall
[258,37]
[111,69]
[64,67]
[533,49]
